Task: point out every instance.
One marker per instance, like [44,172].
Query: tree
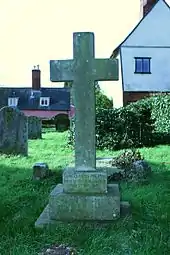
[102,101]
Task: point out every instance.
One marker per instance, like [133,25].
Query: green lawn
[22,201]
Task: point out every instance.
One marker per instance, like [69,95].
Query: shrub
[126,159]
[161,113]
[124,127]
[102,101]
[143,123]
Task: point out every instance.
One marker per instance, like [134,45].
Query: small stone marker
[40,171]
[34,127]
[84,194]
[13,132]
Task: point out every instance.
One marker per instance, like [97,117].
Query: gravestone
[41,171]
[85,193]
[34,127]
[13,132]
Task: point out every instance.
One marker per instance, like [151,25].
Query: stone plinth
[88,182]
[63,206]
[83,196]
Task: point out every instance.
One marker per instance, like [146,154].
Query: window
[44,101]
[142,65]
[13,101]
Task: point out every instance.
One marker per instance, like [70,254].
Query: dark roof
[116,51]
[29,99]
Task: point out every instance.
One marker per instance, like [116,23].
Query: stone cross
[84,70]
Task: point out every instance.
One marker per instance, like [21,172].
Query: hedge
[144,123]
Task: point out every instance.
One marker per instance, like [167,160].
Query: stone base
[69,206]
[102,165]
[64,207]
[84,182]
[44,220]
[84,196]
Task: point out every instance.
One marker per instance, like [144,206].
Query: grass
[22,201]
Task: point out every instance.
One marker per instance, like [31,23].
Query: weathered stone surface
[140,171]
[44,219]
[78,197]
[104,165]
[64,206]
[13,132]
[40,171]
[84,182]
[34,127]
[83,70]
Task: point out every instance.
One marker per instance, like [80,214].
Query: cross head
[83,70]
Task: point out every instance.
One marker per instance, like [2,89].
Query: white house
[144,55]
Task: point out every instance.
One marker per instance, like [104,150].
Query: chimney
[146,6]
[36,78]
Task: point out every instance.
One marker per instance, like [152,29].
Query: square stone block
[69,207]
[84,182]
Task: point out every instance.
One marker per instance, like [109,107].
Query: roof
[117,49]
[29,99]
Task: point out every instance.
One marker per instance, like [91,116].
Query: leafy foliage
[102,101]
[143,123]
[161,113]
[132,167]
[126,159]
[125,127]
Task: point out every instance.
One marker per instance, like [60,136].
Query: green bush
[102,101]
[161,113]
[125,127]
[143,123]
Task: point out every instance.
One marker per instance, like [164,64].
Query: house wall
[118,91]
[153,30]
[44,114]
[158,80]
[149,39]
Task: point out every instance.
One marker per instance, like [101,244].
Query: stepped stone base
[64,206]
[54,213]
[83,196]
[44,220]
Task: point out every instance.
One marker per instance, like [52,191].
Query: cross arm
[61,70]
[106,69]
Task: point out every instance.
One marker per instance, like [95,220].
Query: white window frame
[44,101]
[13,101]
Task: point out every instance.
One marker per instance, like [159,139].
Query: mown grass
[22,201]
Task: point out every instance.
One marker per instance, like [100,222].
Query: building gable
[153,30]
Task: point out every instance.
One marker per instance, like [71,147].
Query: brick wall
[129,97]
[134,96]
